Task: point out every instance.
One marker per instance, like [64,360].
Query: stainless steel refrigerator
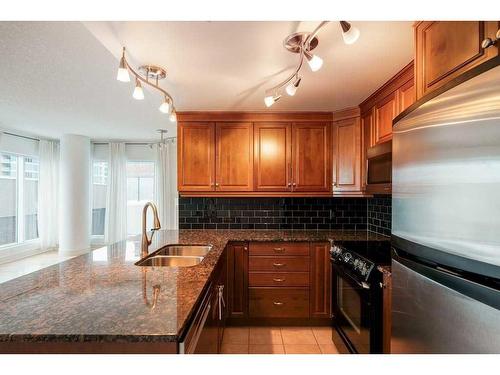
[446,222]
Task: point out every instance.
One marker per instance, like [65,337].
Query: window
[19,198]
[99,187]
[140,189]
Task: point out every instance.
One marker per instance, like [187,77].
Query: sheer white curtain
[115,227]
[166,184]
[48,194]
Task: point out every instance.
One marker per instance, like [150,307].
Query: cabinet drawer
[279,303]
[278,279]
[279,248]
[279,264]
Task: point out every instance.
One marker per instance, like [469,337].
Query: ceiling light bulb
[173,116]
[138,91]
[291,89]
[349,32]
[269,100]
[165,106]
[122,75]
[315,62]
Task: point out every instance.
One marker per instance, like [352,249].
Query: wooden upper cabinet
[196,156]
[368,140]
[272,156]
[384,113]
[406,95]
[311,157]
[346,155]
[446,49]
[234,158]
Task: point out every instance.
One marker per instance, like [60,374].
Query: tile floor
[278,340]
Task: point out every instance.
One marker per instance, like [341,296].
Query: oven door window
[353,312]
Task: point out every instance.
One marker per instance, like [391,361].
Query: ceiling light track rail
[303,43]
[150,72]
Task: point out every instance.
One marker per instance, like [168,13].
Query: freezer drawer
[431,316]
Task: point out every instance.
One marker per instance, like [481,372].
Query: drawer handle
[278,303]
[279,280]
[279,249]
[278,264]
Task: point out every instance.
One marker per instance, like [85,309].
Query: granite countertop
[103,296]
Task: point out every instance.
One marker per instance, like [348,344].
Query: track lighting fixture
[173,116]
[349,32]
[315,62]
[165,106]
[269,100]
[138,92]
[303,43]
[149,75]
[291,89]
[122,75]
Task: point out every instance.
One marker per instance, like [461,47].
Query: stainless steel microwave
[379,169]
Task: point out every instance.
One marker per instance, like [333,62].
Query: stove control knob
[347,257]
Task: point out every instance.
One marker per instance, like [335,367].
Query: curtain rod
[21,136]
[135,143]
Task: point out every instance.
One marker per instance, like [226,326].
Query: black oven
[357,306]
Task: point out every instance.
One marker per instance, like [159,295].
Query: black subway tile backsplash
[273,213]
[380,214]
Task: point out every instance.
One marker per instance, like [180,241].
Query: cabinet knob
[278,303]
[289,184]
[216,184]
[294,184]
[488,42]
[278,264]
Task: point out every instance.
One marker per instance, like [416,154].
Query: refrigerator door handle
[474,286]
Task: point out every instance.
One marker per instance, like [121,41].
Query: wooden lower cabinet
[321,280]
[279,302]
[237,275]
[279,280]
[278,264]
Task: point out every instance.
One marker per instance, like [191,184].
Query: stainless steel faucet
[146,241]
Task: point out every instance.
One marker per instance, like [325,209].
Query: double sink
[176,256]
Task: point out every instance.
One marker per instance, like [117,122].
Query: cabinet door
[237,258]
[385,111]
[320,274]
[346,155]
[311,157]
[196,156]
[272,156]
[234,161]
[446,49]
[368,140]
[406,95]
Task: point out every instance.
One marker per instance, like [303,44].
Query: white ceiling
[59,77]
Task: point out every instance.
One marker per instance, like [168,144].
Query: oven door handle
[361,284]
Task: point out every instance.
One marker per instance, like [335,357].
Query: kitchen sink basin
[176,256]
[169,261]
[184,250]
